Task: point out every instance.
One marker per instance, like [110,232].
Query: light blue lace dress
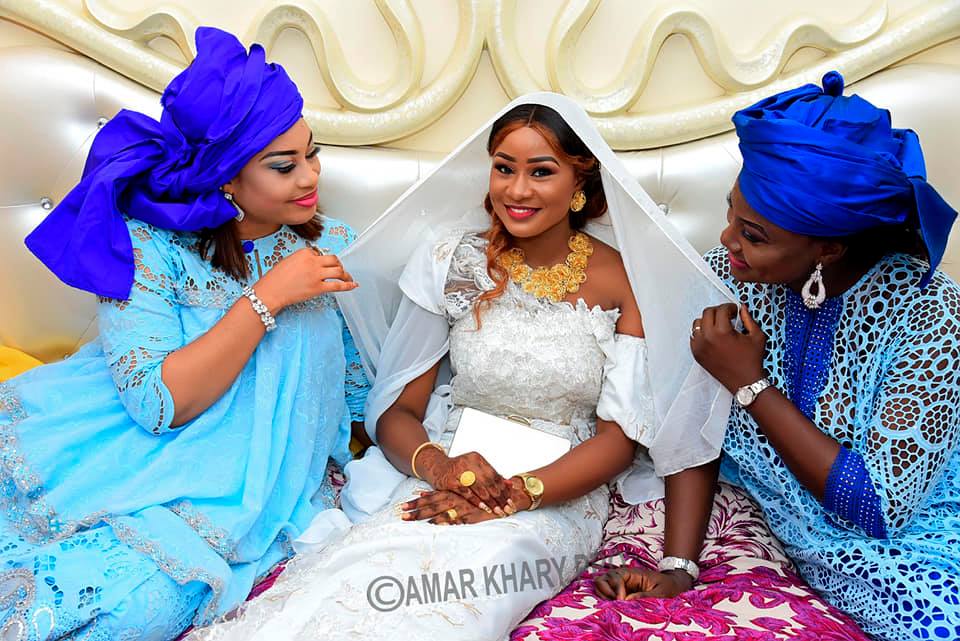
[115,525]
[878,369]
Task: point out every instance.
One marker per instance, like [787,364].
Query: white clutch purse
[510,445]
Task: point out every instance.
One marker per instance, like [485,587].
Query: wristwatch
[668,563]
[748,393]
[533,486]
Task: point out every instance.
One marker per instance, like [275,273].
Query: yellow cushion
[14,362]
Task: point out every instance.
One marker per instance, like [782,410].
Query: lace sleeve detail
[467,277]
[356,385]
[138,333]
[625,396]
[337,235]
[916,412]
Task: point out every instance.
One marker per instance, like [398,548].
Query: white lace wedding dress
[391,579]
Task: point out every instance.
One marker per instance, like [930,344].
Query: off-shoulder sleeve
[627,400]
[424,279]
[625,397]
[138,333]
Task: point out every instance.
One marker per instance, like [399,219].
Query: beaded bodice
[529,357]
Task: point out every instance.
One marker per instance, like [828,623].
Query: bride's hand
[443,508]
[489,490]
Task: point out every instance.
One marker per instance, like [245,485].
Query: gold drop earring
[578,201]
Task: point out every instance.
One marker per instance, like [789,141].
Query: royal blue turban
[821,164]
[217,114]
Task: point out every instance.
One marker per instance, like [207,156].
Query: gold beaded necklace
[553,282]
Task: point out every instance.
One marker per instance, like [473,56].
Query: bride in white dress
[470,326]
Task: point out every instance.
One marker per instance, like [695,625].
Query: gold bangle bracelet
[413,459]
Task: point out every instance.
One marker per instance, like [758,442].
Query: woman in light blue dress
[847,372]
[151,478]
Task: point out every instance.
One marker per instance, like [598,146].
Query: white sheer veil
[400,334]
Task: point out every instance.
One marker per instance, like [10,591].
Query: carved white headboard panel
[419,75]
[380,71]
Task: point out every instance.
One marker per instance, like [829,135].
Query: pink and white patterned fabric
[748,588]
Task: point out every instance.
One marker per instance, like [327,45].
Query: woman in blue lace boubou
[149,480]
[847,372]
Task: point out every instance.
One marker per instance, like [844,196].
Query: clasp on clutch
[519,419]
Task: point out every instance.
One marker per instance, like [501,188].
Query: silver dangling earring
[814,301]
[240,214]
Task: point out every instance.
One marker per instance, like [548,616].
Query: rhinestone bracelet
[265,316]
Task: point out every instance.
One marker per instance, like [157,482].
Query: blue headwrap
[821,164]
[217,114]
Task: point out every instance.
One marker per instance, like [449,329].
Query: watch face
[745,395]
[533,485]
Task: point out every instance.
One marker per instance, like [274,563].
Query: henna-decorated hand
[443,507]
[489,490]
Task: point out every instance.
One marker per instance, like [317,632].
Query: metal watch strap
[534,500]
[668,563]
[746,395]
[760,385]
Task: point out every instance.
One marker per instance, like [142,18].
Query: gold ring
[452,513]
[468,478]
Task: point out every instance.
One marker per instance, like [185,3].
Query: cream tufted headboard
[52,101]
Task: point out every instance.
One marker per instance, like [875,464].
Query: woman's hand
[733,358]
[444,508]
[301,276]
[489,491]
[637,583]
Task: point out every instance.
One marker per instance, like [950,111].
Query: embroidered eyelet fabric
[891,395]
[98,492]
[545,361]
